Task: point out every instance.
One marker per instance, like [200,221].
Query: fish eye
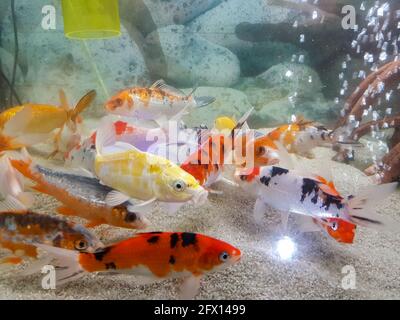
[243,177]
[224,256]
[260,151]
[334,226]
[119,101]
[81,245]
[179,185]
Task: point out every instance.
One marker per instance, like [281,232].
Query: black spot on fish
[155,232]
[99,255]
[172,260]
[153,239]
[323,136]
[277,171]
[130,217]
[329,200]
[111,265]
[350,197]
[174,240]
[309,186]
[188,239]
[265,180]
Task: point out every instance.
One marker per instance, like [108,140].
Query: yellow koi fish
[140,175]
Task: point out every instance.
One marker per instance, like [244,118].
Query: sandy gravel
[313,273]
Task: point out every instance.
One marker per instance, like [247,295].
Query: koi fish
[159,102]
[31,124]
[140,175]
[153,256]
[81,196]
[151,140]
[291,192]
[21,230]
[207,163]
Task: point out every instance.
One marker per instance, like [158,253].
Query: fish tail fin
[361,208]
[12,184]
[66,263]
[105,136]
[24,164]
[204,101]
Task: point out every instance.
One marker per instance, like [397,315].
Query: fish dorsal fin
[63,100]
[11,204]
[329,188]
[302,122]
[160,84]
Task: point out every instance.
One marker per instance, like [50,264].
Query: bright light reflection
[286,248]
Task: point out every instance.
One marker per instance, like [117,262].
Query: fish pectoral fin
[12,204]
[190,287]
[66,211]
[284,221]
[171,207]
[228,182]
[115,198]
[94,223]
[142,207]
[259,210]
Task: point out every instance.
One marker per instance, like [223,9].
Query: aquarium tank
[199,149]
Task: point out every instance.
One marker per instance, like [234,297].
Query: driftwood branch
[366,94]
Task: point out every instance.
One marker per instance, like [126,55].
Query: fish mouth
[199,197]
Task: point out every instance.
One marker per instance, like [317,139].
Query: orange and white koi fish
[292,192]
[207,163]
[154,256]
[301,136]
[31,124]
[159,102]
[21,230]
[81,196]
[141,175]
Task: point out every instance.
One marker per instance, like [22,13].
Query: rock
[268,28]
[189,59]
[278,112]
[229,102]
[295,78]
[148,15]
[284,90]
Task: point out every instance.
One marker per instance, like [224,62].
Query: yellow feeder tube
[91,19]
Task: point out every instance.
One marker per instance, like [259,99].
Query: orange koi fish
[159,102]
[31,124]
[21,230]
[153,256]
[81,196]
[301,137]
[207,163]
